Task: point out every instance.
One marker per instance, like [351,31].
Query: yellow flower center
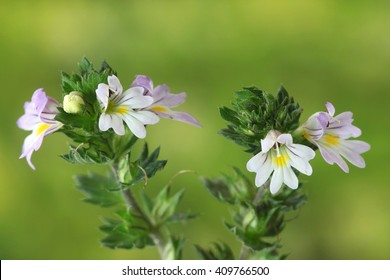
[332,140]
[281,159]
[159,109]
[121,110]
[42,127]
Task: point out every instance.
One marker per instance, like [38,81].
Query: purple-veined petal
[166,113]
[298,162]
[162,97]
[39,99]
[330,108]
[134,99]
[160,93]
[289,177]
[264,171]
[135,126]
[313,127]
[331,156]
[323,119]
[114,84]
[50,111]
[143,81]
[145,117]
[351,150]
[276,180]
[302,151]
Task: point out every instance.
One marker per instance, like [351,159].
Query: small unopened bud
[73,103]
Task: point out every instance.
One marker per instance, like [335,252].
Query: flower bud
[73,103]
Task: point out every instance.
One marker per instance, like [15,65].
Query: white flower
[127,106]
[278,154]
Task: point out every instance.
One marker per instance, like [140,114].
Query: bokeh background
[320,51]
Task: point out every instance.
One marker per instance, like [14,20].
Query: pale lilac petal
[105,122]
[330,108]
[135,126]
[285,139]
[114,84]
[162,97]
[351,150]
[290,179]
[341,125]
[145,117]
[143,81]
[39,99]
[160,93]
[323,119]
[102,93]
[28,122]
[331,156]
[276,180]
[314,126]
[175,115]
[50,111]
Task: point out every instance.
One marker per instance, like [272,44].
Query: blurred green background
[336,51]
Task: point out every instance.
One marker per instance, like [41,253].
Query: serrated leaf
[98,189]
[218,251]
[80,155]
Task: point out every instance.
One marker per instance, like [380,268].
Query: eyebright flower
[39,117]
[164,101]
[330,135]
[278,154]
[125,106]
[73,103]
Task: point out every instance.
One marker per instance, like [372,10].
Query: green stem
[160,236]
[245,250]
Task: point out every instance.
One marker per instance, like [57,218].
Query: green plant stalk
[245,250]
[158,233]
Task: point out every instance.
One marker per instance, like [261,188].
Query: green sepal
[98,189]
[231,189]
[218,251]
[254,113]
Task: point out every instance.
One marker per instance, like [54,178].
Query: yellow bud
[73,103]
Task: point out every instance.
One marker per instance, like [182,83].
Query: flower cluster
[135,107]
[324,130]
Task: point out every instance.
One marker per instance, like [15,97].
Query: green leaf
[123,235]
[218,251]
[98,189]
[146,165]
[81,155]
[165,205]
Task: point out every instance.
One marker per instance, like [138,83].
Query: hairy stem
[245,250]
[160,236]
